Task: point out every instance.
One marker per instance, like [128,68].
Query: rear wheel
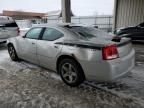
[71,72]
[12,53]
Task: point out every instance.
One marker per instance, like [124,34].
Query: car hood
[120,30]
[127,28]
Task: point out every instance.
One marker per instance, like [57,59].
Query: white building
[128,13]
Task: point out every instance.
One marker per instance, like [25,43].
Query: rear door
[28,45]
[47,50]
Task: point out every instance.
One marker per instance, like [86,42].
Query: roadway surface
[24,85]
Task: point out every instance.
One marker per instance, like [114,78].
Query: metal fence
[104,22]
[24,23]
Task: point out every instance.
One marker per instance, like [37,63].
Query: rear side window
[34,33]
[51,34]
[11,25]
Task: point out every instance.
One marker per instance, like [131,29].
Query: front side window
[51,34]
[34,33]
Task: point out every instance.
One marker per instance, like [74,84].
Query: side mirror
[23,36]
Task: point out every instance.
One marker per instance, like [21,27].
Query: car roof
[58,25]
[6,19]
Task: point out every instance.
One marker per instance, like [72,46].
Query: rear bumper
[124,66]
[109,70]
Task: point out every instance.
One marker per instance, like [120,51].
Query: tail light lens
[110,52]
[18,30]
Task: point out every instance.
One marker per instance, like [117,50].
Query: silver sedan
[75,52]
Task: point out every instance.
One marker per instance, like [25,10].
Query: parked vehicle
[136,33]
[75,52]
[95,26]
[8,28]
[23,31]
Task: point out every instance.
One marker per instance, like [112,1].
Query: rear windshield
[89,32]
[6,21]
[13,24]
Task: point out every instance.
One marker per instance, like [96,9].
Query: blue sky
[79,7]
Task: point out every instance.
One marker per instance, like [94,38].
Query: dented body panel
[88,53]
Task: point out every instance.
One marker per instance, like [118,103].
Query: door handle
[33,43]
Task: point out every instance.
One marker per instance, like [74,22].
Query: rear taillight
[110,52]
[18,30]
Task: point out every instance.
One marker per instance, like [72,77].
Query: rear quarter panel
[82,54]
[86,57]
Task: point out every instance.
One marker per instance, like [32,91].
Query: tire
[12,53]
[71,72]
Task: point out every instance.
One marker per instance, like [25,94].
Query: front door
[28,45]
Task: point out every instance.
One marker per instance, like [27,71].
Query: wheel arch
[15,53]
[72,56]
[13,41]
[9,44]
[14,45]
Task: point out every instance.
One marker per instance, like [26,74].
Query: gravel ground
[24,85]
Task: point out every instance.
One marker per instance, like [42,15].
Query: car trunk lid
[124,47]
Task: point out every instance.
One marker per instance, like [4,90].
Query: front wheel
[71,72]
[12,53]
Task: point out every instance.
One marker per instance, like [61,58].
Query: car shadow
[117,86]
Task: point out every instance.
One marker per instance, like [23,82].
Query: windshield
[89,32]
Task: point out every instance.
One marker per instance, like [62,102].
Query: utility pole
[66,11]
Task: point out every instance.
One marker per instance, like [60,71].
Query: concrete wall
[128,13]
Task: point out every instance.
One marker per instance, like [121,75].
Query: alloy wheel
[69,72]
[12,52]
